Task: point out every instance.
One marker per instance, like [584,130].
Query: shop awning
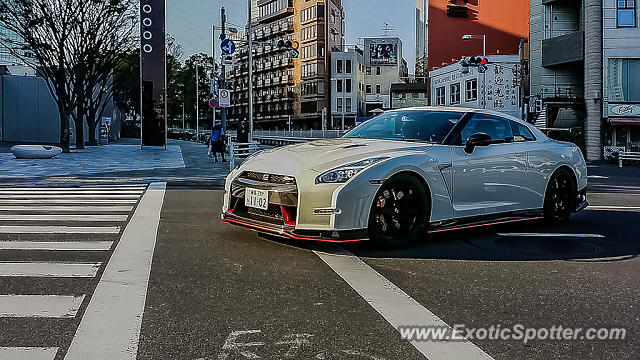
[622,121]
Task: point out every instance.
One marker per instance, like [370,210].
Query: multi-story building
[621,80]
[8,57]
[286,87]
[422,29]
[501,22]
[347,87]
[405,95]
[496,89]
[384,65]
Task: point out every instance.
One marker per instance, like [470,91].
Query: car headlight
[346,172]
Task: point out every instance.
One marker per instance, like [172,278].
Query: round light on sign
[147,48]
[147,22]
[147,9]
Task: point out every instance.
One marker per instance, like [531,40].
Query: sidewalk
[182,163]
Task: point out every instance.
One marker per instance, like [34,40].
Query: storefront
[622,129]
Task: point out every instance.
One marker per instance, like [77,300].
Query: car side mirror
[478,139]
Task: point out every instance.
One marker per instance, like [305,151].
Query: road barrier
[628,155]
[240,151]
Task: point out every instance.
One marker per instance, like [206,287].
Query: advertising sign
[624,110]
[153,70]
[383,54]
[502,89]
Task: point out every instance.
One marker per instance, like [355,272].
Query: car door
[487,180]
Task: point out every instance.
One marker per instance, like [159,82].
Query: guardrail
[240,151]
[303,134]
[628,155]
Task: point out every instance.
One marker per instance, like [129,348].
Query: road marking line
[65,201]
[593,236]
[28,353]
[398,308]
[49,269]
[110,327]
[74,218]
[597,177]
[69,196]
[59,229]
[40,306]
[74,209]
[621,208]
[57,246]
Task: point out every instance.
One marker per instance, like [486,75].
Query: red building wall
[502,21]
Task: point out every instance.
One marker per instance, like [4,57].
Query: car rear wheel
[559,201]
[400,212]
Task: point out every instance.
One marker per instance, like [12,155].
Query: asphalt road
[219,292]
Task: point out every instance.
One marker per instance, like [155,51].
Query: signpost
[224,98]
[152,73]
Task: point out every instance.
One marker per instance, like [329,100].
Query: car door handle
[521,154]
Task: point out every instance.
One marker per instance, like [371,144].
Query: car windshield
[408,125]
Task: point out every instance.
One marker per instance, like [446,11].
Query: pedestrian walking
[216,142]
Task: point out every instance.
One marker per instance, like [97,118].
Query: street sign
[224,98]
[213,103]
[228,47]
[213,88]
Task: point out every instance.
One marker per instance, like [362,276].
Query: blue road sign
[213,103]
[228,47]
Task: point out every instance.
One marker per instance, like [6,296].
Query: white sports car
[406,173]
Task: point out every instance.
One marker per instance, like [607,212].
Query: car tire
[400,212]
[559,199]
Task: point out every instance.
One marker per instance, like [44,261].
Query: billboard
[153,73]
[383,54]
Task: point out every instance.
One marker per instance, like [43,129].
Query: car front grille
[268,178]
[283,198]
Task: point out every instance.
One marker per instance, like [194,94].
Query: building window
[626,13]
[347,66]
[455,93]
[440,96]
[471,90]
[623,80]
[378,89]
[348,85]
[339,102]
[339,66]
[378,71]
[339,85]
[415,95]
[368,72]
[348,104]
[369,91]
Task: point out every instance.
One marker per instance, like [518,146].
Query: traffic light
[475,61]
[290,45]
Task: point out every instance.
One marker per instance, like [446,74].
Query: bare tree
[75,44]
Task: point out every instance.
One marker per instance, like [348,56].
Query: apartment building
[347,87]
[384,65]
[288,88]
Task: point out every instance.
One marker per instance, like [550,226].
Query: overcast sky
[189,21]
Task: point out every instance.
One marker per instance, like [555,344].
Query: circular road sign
[213,103]
[228,47]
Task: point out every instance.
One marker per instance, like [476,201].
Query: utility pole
[213,75]
[223,85]
[250,43]
[197,106]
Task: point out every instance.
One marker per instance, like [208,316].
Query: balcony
[564,49]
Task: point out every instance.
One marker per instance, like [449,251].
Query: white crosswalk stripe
[56,245]
[37,214]
[59,229]
[69,218]
[28,353]
[40,306]
[49,269]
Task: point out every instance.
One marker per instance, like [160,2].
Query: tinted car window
[498,128]
[521,132]
[408,125]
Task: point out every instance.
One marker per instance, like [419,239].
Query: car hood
[323,155]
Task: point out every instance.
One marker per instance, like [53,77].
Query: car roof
[463,110]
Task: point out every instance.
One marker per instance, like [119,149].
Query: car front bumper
[581,200]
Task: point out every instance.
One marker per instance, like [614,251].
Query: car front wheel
[400,212]
[559,201]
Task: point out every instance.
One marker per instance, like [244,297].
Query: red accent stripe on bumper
[291,236]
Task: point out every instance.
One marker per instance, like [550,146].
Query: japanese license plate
[256,198]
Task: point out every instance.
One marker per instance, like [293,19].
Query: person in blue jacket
[217,141]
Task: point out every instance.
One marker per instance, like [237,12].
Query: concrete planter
[35,151]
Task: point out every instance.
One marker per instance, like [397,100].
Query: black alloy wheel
[559,201]
[400,213]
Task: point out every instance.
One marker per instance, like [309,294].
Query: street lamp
[484,41]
